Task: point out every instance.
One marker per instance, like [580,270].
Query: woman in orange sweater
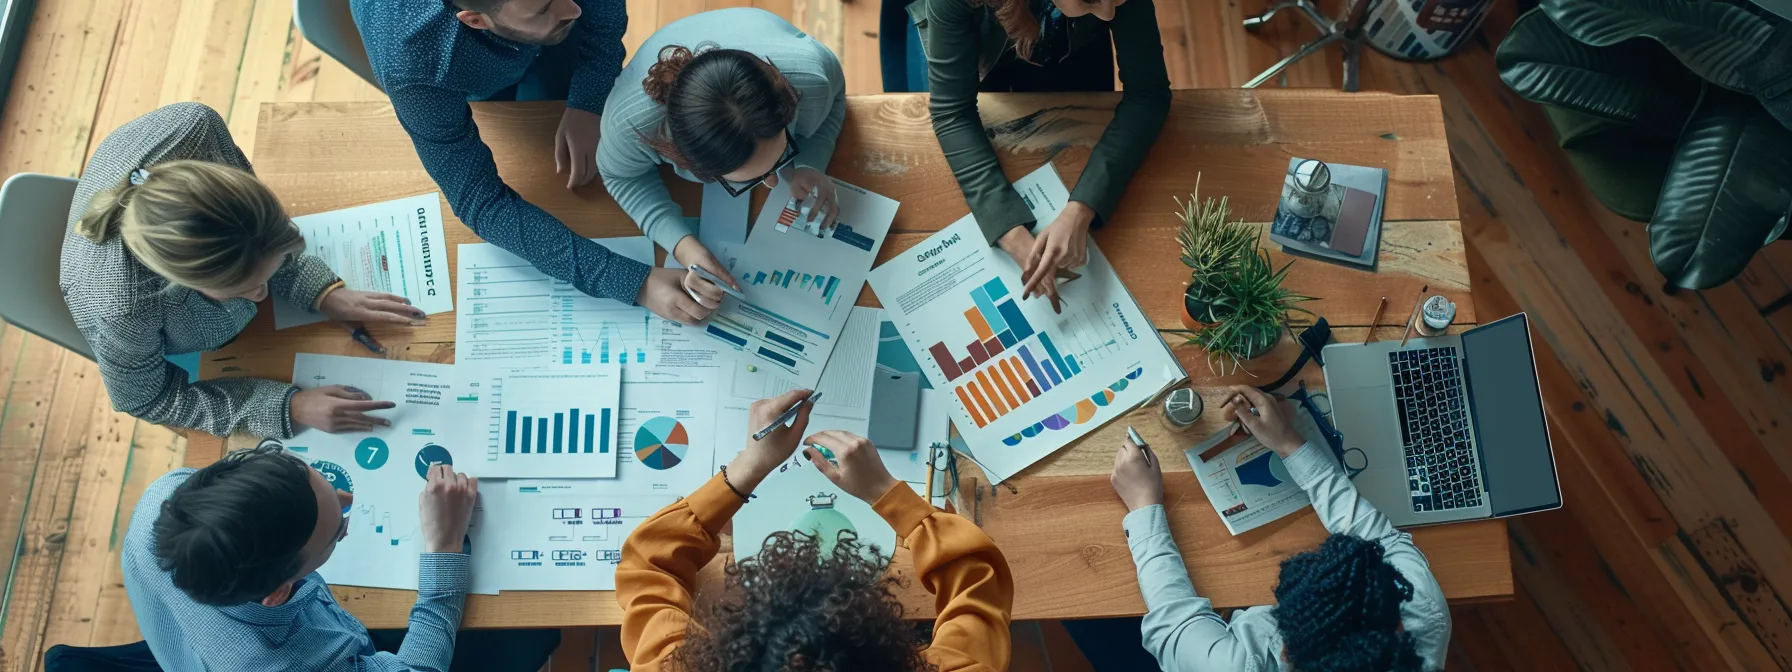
[793,607]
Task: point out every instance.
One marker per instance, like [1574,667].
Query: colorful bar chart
[998,327]
[1001,388]
[573,432]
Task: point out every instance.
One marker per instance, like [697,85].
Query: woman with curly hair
[1043,46]
[1364,601]
[800,606]
[737,97]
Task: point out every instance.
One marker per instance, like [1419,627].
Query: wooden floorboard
[1671,412]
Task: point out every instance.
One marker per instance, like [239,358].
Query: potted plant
[1211,247]
[1255,305]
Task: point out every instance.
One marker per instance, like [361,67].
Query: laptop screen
[1508,411]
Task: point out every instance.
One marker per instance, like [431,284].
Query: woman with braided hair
[1364,601]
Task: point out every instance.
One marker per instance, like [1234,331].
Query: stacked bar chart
[570,432]
[998,327]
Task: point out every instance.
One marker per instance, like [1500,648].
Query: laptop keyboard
[1441,468]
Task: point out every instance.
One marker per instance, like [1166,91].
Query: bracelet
[318,304]
[735,490]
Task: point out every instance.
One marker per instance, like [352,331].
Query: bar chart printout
[1025,380]
[555,422]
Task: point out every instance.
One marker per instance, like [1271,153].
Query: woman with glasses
[1042,46]
[738,97]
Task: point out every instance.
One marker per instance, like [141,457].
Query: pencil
[1375,320]
[931,453]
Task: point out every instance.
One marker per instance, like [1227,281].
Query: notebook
[1348,226]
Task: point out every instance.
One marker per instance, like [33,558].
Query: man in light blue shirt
[1364,601]
[221,567]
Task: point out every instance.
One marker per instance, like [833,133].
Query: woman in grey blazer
[739,97]
[171,242]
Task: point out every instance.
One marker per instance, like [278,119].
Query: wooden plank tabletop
[1058,522]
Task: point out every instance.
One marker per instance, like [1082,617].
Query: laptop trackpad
[1366,418]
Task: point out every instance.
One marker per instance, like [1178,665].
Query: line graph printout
[384,469]
[800,287]
[558,534]
[1022,381]
[552,422]
[393,247]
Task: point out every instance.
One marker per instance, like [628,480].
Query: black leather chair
[122,658]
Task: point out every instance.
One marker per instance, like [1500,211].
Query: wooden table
[1058,523]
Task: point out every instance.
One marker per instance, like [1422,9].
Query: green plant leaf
[1716,40]
[1636,83]
[1725,192]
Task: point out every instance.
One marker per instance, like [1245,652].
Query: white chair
[331,26]
[33,220]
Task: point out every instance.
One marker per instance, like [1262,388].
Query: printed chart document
[511,312]
[554,422]
[395,247]
[1023,381]
[799,286]
[386,468]
[558,534]
[1246,481]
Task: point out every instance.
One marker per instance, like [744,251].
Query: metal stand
[1346,32]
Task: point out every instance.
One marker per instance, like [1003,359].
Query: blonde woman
[171,242]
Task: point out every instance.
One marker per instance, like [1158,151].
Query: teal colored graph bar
[1051,352]
[995,289]
[988,308]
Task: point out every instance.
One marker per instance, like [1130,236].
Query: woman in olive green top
[1043,45]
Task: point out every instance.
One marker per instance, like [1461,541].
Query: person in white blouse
[1364,601]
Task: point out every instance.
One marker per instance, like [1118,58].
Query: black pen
[361,336]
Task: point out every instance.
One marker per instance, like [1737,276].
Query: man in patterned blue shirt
[433,56]
[221,566]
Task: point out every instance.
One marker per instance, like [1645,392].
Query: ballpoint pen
[361,336]
[786,416]
[1139,441]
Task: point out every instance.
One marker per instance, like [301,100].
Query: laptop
[1452,427]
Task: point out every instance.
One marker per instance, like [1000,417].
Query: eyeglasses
[1319,406]
[735,189]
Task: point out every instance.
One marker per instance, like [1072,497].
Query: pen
[706,275]
[361,336]
[786,416]
[1138,441]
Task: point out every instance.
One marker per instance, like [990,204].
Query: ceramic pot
[1196,311]
[1263,340]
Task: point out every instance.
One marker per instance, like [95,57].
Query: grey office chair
[33,219]
[329,25]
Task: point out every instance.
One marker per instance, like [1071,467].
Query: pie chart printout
[661,443]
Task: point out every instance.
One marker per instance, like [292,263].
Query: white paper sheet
[558,534]
[1247,483]
[799,287]
[552,422]
[394,247]
[799,497]
[385,469]
[1023,381]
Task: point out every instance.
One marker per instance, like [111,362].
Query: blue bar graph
[572,431]
[559,430]
[1016,321]
[1026,356]
[541,435]
[528,431]
[603,433]
[510,432]
[1068,368]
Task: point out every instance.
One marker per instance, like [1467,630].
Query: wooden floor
[1671,413]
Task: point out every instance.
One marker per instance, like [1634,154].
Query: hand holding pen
[1138,475]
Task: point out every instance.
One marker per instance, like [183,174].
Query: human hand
[444,508]
[759,458]
[1264,417]
[575,146]
[665,295]
[855,465]
[692,253]
[354,306]
[1018,242]
[337,408]
[1138,476]
[1063,244]
[804,180]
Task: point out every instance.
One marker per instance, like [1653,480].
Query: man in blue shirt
[433,56]
[221,567]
